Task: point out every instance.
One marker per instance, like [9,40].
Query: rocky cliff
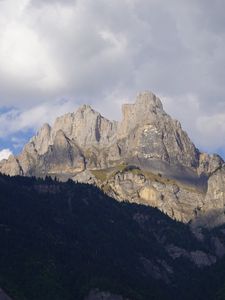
[146,158]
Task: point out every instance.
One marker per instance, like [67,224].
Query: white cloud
[24,57]
[102,52]
[4,154]
[211,131]
[15,120]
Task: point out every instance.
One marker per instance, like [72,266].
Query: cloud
[39,3]
[4,154]
[212,131]
[15,120]
[103,52]
[206,131]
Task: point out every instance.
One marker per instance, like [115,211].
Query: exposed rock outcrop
[146,158]
[151,134]
[213,210]
[178,200]
[98,295]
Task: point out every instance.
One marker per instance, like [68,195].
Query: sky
[58,54]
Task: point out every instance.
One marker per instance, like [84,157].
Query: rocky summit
[146,158]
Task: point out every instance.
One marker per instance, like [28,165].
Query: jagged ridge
[145,158]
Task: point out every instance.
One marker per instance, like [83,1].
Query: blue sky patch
[16,141]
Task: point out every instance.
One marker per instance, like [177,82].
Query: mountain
[146,158]
[71,241]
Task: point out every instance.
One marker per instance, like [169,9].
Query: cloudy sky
[58,54]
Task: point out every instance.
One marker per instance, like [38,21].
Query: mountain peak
[147,138]
[85,107]
[145,110]
[148,100]
[42,139]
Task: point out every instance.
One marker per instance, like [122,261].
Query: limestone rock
[168,170]
[146,108]
[43,139]
[86,127]
[215,196]
[64,156]
[172,198]
[213,210]
[85,177]
[208,164]
[11,166]
[151,134]
[150,195]
[146,136]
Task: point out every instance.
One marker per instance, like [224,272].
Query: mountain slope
[146,158]
[67,240]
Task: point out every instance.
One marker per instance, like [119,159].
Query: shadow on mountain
[62,240]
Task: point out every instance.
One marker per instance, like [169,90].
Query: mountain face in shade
[67,241]
[146,158]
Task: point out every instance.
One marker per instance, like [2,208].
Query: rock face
[174,198]
[97,295]
[213,209]
[146,158]
[153,135]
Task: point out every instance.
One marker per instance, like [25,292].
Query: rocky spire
[145,110]
[43,139]
[147,100]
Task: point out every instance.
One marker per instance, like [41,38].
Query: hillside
[70,240]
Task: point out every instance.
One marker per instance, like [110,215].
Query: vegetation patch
[101,175]
[106,174]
